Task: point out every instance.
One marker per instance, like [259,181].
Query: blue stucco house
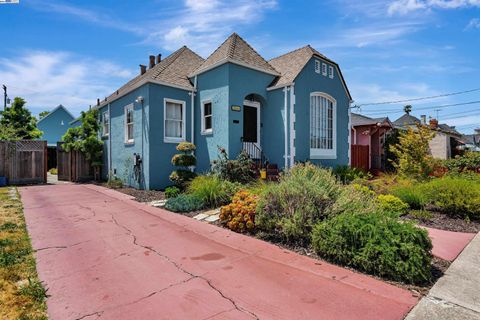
[54,125]
[295,107]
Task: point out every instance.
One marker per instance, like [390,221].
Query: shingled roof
[406,120]
[172,70]
[361,120]
[235,49]
[292,63]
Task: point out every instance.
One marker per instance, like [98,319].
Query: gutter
[109,142]
[192,96]
[292,125]
[285,123]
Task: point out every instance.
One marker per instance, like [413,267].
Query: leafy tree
[18,121]
[43,114]
[85,138]
[413,152]
[407,109]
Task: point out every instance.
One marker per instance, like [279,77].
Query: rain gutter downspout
[109,143]
[285,124]
[192,96]
[292,125]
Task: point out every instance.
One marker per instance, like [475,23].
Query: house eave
[228,60]
[54,110]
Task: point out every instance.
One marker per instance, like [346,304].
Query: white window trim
[104,127]
[184,126]
[203,130]
[129,106]
[330,72]
[318,66]
[324,69]
[326,153]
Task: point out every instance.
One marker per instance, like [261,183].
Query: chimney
[159,58]
[143,69]
[98,101]
[477,131]
[423,118]
[433,123]
[151,64]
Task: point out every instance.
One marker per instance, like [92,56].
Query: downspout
[350,128]
[143,159]
[192,96]
[109,142]
[292,125]
[285,123]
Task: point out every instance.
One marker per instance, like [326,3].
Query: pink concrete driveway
[448,245]
[105,256]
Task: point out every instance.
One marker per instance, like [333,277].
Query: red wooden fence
[360,157]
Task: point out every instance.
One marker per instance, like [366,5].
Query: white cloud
[402,7]
[46,79]
[473,24]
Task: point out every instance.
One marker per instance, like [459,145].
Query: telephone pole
[4,97]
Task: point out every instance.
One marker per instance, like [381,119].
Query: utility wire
[425,108]
[416,99]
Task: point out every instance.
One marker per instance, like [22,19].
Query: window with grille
[322,126]
[129,137]
[207,124]
[105,123]
[174,115]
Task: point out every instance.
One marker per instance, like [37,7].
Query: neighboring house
[472,141]
[447,140]
[54,125]
[291,108]
[370,133]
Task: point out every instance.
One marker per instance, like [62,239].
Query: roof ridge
[290,52]
[248,44]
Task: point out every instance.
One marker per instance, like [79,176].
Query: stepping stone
[212,212]
[158,203]
[213,218]
[200,216]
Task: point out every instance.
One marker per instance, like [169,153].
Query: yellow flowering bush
[239,215]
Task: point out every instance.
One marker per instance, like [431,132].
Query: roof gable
[361,120]
[59,108]
[173,70]
[236,50]
[406,120]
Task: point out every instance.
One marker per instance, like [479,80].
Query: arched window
[323,133]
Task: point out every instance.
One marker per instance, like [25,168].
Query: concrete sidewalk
[456,295]
[105,256]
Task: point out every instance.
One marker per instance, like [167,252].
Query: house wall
[213,86]
[122,153]
[161,152]
[54,126]
[440,146]
[307,82]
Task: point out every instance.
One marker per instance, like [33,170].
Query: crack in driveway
[180,268]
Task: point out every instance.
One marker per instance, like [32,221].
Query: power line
[426,108]
[416,99]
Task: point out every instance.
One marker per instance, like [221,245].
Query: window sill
[173,140]
[323,154]
[129,142]
[206,133]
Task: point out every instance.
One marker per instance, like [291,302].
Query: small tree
[184,160]
[413,152]
[407,109]
[19,122]
[43,114]
[85,138]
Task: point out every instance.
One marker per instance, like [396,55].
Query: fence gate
[360,157]
[73,166]
[23,162]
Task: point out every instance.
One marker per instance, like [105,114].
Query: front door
[251,128]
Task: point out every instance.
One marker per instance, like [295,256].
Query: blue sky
[72,52]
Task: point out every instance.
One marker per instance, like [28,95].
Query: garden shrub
[377,244]
[239,170]
[413,195]
[53,171]
[347,174]
[114,182]
[354,198]
[183,160]
[423,215]
[470,161]
[391,204]
[240,214]
[184,203]
[172,192]
[213,191]
[455,196]
[303,196]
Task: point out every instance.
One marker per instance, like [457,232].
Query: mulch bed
[443,222]
[143,195]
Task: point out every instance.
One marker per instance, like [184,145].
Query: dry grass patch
[22,296]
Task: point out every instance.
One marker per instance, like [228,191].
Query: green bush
[213,191]
[354,199]
[391,204]
[182,177]
[469,161]
[303,196]
[376,244]
[239,170]
[422,215]
[186,147]
[172,192]
[413,195]
[347,174]
[114,182]
[53,171]
[184,160]
[184,203]
[455,196]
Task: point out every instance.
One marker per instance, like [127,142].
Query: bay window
[322,126]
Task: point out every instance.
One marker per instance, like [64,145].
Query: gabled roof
[59,107]
[236,50]
[361,120]
[406,120]
[291,64]
[173,71]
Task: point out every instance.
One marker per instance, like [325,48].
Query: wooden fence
[73,166]
[360,157]
[23,162]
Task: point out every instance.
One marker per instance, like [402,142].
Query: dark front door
[250,122]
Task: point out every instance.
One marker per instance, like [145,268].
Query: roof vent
[151,63]
[143,69]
